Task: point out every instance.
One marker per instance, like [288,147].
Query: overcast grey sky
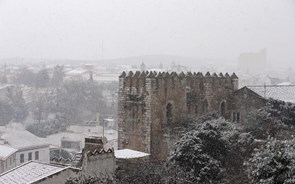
[74,29]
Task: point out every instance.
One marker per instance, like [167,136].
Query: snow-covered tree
[6,112]
[213,152]
[48,126]
[57,76]
[142,172]
[17,102]
[39,108]
[42,78]
[273,163]
[271,119]
[13,106]
[25,76]
[72,103]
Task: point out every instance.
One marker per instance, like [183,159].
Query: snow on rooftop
[6,151]
[29,172]
[285,84]
[109,119]
[128,153]
[3,86]
[21,139]
[279,92]
[76,72]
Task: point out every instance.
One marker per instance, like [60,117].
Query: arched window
[234,116]
[238,117]
[196,109]
[205,107]
[169,113]
[222,108]
[189,109]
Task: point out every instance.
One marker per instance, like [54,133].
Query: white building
[253,62]
[37,172]
[30,147]
[73,139]
[6,89]
[7,158]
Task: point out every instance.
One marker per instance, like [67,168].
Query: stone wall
[96,160]
[99,163]
[60,177]
[152,104]
[244,101]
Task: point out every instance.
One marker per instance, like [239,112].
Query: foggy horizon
[96,30]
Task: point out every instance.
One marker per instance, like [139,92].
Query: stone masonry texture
[151,104]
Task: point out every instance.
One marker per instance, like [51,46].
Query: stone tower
[151,104]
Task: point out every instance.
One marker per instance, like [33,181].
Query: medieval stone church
[150,104]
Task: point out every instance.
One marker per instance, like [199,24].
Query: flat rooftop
[129,154]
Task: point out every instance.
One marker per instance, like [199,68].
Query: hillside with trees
[46,103]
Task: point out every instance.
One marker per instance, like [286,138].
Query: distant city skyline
[76,29]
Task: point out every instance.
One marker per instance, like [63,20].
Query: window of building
[22,158]
[196,109]
[222,108]
[30,156]
[205,107]
[36,155]
[238,117]
[169,113]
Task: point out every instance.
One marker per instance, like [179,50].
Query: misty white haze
[76,29]
[147,91]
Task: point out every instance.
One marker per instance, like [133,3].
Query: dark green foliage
[17,102]
[40,108]
[57,76]
[78,101]
[48,127]
[3,79]
[60,153]
[273,163]
[272,119]
[26,77]
[73,102]
[190,121]
[12,106]
[42,78]
[6,112]
[142,172]
[213,152]
[90,180]
[283,111]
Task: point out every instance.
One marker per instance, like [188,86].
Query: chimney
[93,143]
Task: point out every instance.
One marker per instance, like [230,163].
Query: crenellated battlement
[152,106]
[181,75]
[151,102]
[139,79]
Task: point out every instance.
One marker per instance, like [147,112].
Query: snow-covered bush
[212,152]
[273,163]
[270,120]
